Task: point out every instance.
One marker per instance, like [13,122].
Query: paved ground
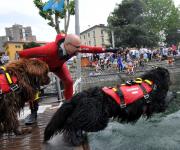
[34,140]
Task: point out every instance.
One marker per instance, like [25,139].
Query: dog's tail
[57,122]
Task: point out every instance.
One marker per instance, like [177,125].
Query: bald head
[72,43]
[73,39]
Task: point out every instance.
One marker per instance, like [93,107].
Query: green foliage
[173,37]
[30,45]
[54,17]
[126,13]
[129,25]
[140,22]
[160,14]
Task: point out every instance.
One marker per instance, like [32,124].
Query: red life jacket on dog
[7,83]
[130,93]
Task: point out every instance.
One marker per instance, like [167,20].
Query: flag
[57,5]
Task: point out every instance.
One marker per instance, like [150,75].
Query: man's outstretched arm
[96,49]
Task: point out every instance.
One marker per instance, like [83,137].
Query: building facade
[96,36]
[11,48]
[19,33]
[3,39]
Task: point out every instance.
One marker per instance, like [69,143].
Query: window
[102,40]
[17,46]
[102,32]
[88,34]
[94,34]
[94,42]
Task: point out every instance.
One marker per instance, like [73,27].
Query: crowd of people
[130,59]
[4,59]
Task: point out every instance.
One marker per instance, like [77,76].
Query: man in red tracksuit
[55,54]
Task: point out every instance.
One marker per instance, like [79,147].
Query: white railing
[76,85]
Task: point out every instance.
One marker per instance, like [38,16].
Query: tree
[163,16]
[54,17]
[160,14]
[30,45]
[129,27]
[173,37]
[142,22]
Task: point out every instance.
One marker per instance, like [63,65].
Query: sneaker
[31,119]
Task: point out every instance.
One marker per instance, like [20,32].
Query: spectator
[4,59]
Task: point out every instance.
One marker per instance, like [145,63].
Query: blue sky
[24,12]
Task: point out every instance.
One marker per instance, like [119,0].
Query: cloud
[39,26]
[20,18]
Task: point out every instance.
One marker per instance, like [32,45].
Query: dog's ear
[37,67]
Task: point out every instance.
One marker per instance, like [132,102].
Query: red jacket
[49,53]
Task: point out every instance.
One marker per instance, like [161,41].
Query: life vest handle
[7,75]
[37,95]
[13,86]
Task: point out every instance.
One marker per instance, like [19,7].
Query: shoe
[31,118]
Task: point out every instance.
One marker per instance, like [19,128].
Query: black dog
[89,111]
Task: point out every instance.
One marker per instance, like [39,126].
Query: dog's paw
[26,130]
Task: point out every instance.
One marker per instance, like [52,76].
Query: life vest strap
[6,74]
[121,96]
[146,95]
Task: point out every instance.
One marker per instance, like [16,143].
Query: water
[161,132]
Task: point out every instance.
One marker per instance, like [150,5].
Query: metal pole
[77,31]
[59,96]
[113,42]
[58,86]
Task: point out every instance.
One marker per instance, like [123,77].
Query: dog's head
[160,76]
[37,71]
[161,80]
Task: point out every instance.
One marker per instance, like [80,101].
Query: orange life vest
[7,83]
[130,93]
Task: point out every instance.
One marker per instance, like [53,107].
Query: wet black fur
[91,110]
